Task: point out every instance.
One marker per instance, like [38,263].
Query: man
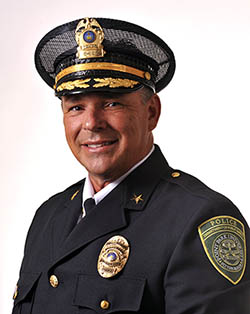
[135,235]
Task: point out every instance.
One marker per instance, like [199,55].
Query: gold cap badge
[113,257]
[89,36]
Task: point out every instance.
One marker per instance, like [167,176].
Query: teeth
[99,145]
[95,146]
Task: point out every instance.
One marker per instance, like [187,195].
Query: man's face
[109,133]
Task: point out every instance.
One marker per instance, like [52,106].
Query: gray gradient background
[204,127]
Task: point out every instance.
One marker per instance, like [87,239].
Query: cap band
[102,66]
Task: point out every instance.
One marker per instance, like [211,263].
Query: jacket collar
[141,183]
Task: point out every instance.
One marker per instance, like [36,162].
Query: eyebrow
[104,95]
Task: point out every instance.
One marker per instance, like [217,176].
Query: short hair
[146,93]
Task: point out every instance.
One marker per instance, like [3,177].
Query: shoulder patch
[223,239]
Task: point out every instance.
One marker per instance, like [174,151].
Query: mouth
[100,144]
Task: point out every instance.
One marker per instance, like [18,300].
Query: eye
[113,104]
[75,108]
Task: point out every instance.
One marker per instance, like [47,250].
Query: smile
[100,144]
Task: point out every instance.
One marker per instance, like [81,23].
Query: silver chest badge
[113,256]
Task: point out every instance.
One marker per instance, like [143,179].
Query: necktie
[87,207]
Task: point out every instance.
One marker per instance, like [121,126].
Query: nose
[93,119]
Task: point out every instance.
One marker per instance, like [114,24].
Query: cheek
[127,127]
[72,130]
[139,124]
[71,127]
[134,131]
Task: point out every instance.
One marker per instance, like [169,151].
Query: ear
[154,111]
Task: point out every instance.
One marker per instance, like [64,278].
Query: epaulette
[193,185]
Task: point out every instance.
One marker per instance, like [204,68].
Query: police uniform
[161,241]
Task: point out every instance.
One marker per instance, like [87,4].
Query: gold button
[176,174]
[53,281]
[104,305]
[15,293]
[147,76]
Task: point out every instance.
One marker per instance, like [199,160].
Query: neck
[98,183]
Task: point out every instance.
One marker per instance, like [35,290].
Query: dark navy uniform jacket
[168,270]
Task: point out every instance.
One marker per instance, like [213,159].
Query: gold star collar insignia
[137,199]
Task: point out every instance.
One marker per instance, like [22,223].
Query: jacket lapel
[109,215]
[104,218]
[65,219]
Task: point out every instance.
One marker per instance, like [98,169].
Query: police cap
[100,54]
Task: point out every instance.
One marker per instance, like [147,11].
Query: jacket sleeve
[194,283]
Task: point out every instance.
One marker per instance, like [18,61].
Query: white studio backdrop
[204,128]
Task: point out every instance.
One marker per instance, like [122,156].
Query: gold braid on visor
[102,66]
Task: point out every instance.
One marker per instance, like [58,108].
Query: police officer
[135,235]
